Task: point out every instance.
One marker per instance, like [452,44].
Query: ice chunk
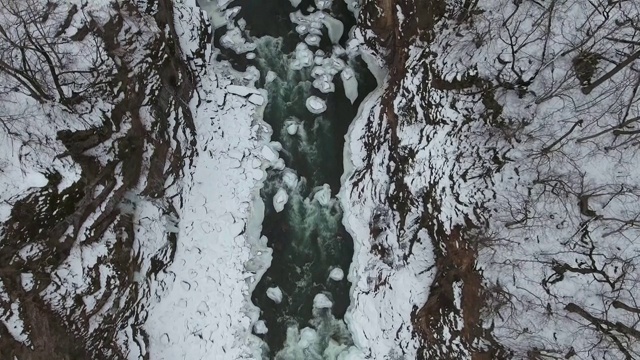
[230,14]
[242,23]
[290,179]
[321,301]
[336,63]
[318,70]
[295,3]
[215,14]
[339,50]
[260,327]
[275,294]
[251,56]
[353,6]
[336,274]
[292,129]
[303,57]
[350,84]
[323,4]
[302,29]
[27,281]
[375,66]
[308,337]
[315,105]
[234,40]
[325,84]
[257,99]
[270,76]
[279,164]
[334,27]
[323,195]
[269,154]
[241,90]
[280,199]
[312,40]
[275,145]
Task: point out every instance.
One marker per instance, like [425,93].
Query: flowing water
[307,236]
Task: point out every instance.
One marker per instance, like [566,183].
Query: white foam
[335,28]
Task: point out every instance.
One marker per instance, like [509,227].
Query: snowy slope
[507,131]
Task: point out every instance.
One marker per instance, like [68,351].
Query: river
[308,239]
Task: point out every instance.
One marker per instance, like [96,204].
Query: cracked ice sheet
[202,314]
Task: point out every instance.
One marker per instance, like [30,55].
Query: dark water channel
[307,237]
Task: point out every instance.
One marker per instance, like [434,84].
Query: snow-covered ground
[387,289]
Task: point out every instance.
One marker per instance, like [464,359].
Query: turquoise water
[307,237]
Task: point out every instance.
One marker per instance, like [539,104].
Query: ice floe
[280,200]
[315,105]
[275,294]
[321,301]
[260,327]
[336,274]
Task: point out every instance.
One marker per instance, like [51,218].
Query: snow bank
[380,336]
